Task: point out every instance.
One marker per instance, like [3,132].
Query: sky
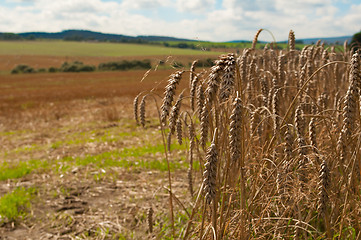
[211,20]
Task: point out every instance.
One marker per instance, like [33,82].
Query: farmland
[65,48]
[265,144]
[73,162]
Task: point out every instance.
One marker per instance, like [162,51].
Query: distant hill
[330,40]
[241,41]
[85,35]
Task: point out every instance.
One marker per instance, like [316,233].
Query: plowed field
[71,139]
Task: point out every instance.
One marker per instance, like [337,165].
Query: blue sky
[214,20]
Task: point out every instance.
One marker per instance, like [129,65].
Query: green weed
[94,137]
[180,219]
[148,157]
[12,171]
[15,204]
[131,158]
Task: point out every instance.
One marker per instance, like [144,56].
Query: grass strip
[145,157]
[15,204]
[13,171]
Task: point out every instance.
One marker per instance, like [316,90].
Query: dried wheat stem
[200,100]
[142,111]
[349,111]
[243,65]
[255,39]
[193,89]
[275,108]
[250,79]
[299,123]
[192,135]
[150,219]
[213,80]
[323,187]
[301,81]
[179,131]
[288,146]
[323,196]
[264,90]
[291,41]
[204,125]
[255,126]
[190,180]
[135,105]
[169,94]
[169,141]
[312,134]
[228,78]
[235,129]
[322,101]
[351,98]
[191,74]
[210,173]
[174,114]
[281,69]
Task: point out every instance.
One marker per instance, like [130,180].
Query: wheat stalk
[277,117]
[169,94]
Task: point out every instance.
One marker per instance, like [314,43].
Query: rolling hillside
[85,35]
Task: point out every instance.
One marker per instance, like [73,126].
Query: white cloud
[195,6]
[144,4]
[19,1]
[328,11]
[236,19]
[249,5]
[352,21]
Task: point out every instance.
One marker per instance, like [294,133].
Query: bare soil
[83,202]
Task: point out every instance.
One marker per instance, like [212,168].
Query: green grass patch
[13,171]
[15,204]
[94,137]
[28,148]
[77,138]
[143,157]
[180,219]
[66,48]
[148,157]
[14,133]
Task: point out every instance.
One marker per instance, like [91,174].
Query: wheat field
[277,137]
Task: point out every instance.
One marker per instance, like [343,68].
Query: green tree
[10,36]
[356,41]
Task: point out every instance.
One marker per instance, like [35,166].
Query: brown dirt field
[50,117]
[27,90]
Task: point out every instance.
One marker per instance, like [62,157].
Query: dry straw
[193,90]
[228,78]
[200,100]
[210,173]
[150,219]
[135,105]
[169,94]
[291,40]
[285,157]
[142,111]
[235,131]
[179,129]
[174,114]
